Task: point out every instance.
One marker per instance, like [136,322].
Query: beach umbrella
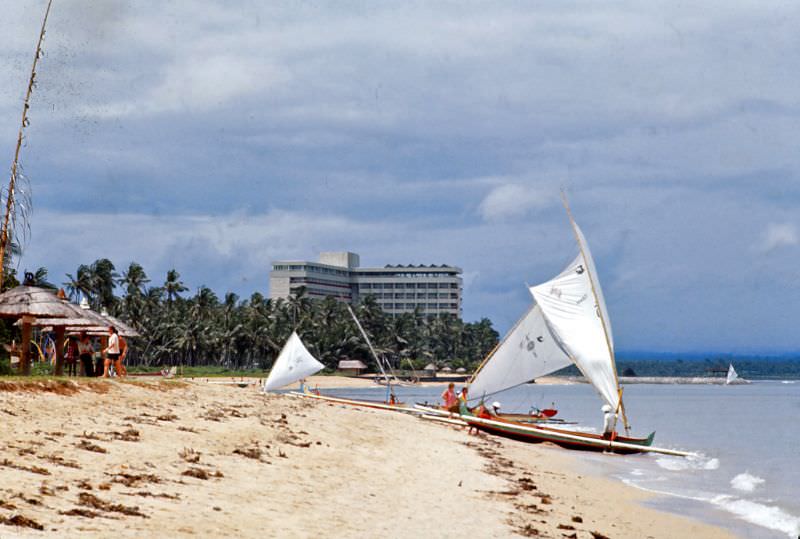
[28,303]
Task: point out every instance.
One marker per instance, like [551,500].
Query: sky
[218,136]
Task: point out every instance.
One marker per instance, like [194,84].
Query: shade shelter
[29,303]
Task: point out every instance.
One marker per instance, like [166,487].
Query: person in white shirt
[609,423]
[112,353]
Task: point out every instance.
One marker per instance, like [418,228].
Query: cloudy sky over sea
[215,137]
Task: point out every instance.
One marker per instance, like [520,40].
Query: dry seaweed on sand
[88,446]
[90,500]
[21,521]
[200,473]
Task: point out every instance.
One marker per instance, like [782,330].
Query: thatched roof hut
[351,366]
[29,303]
[33,301]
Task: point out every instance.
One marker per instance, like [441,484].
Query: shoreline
[189,458]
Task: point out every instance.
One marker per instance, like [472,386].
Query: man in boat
[609,423]
[450,399]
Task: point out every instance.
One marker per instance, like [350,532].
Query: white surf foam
[692,462]
[768,516]
[746,482]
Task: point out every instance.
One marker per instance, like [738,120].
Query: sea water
[746,472]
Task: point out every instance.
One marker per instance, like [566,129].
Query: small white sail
[573,305]
[528,351]
[294,363]
[731,374]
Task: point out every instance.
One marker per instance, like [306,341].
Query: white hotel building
[397,289]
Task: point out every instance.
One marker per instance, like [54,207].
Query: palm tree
[134,280]
[173,286]
[81,284]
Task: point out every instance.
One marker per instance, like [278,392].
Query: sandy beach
[189,458]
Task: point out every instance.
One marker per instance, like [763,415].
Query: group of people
[80,349]
[456,404]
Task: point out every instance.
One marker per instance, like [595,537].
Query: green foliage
[235,334]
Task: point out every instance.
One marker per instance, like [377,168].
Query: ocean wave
[692,462]
[767,516]
[746,482]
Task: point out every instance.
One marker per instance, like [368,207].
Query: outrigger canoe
[564,438]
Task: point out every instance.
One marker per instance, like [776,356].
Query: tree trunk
[25,346]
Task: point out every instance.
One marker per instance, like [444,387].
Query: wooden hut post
[25,346]
[59,367]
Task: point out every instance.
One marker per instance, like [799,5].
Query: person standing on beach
[123,347]
[609,423]
[72,356]
[85,353]
[112,352]
[449,398]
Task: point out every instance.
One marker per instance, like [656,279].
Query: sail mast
[10,204]
[369,344]
[599,307]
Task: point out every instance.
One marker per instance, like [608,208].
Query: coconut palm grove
[179,327]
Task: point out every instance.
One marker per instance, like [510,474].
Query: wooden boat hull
[568,439]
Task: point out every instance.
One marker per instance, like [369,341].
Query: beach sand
[180,458]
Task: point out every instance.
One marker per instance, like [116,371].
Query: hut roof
[351,364]
[430,367]
[123,328]
[33,301]
[447,369]
[461,370]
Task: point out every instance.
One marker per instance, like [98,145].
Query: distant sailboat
[732,376]
[294,363]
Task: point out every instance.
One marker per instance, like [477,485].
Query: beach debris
[167,417]
[61,461]
[21,521]
[134,480]
[565,527]
[526,484]
[78,512]
[146,494]
[190,455]
[128,435]
[598,535]
[89,446]
[200,473]
[90,500]
[84,484]
[577,519]
[33,469]
[187,429]
[528,530]
[7,505]
[253,452]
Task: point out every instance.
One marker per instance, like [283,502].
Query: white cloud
[511,201]
[779,235]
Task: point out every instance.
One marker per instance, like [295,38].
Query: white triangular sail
[731,374]
[294,363]
[573,305]
[528,351]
